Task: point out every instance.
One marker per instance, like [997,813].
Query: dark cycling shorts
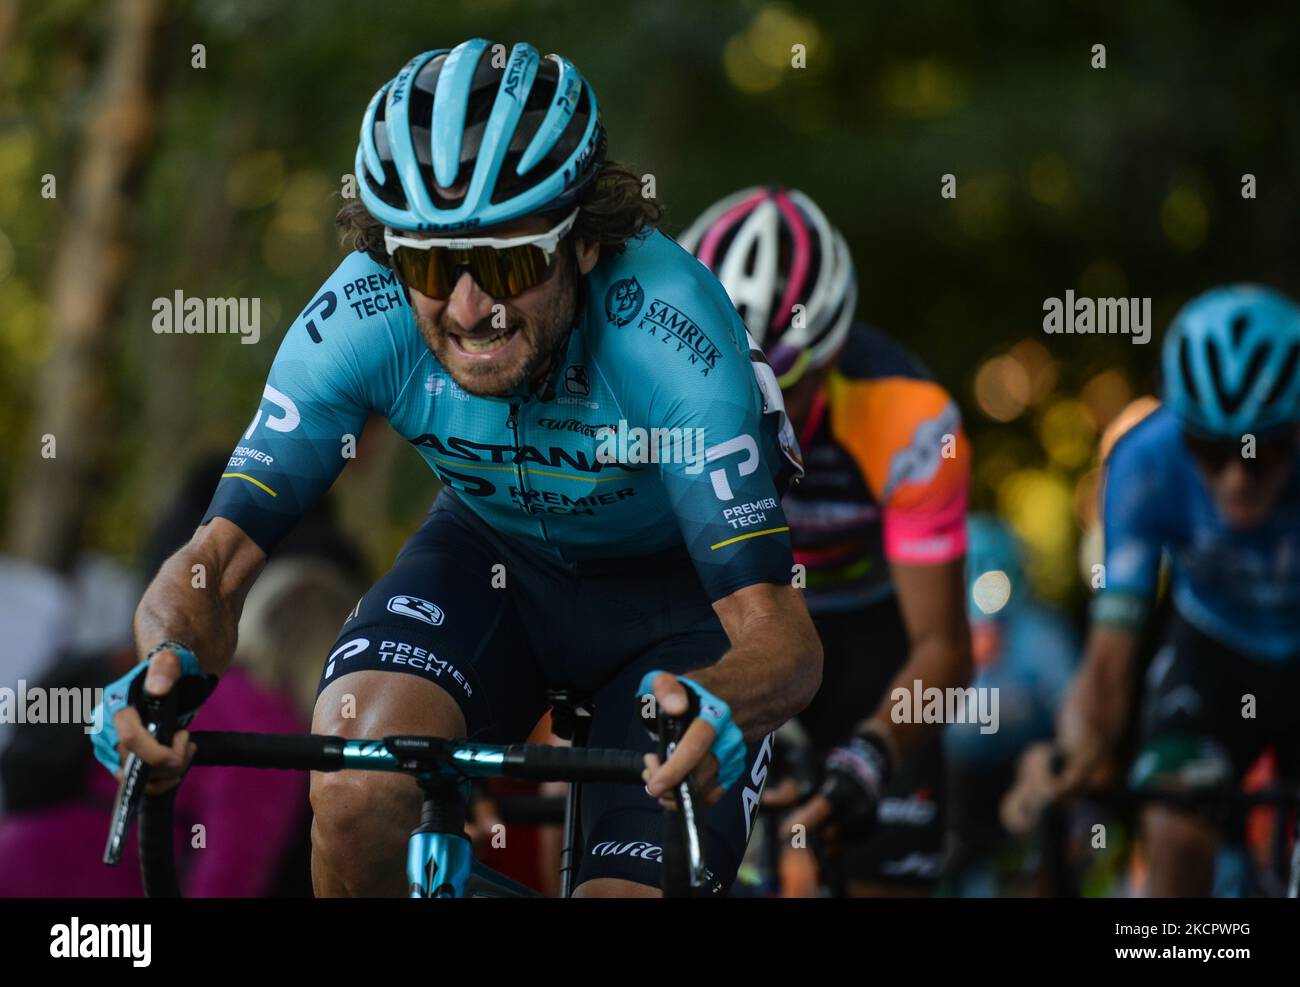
[495,625]
[1195,721]
[864,649]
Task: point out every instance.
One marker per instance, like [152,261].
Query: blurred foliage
[1117,181]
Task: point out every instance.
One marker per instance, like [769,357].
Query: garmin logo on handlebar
[75,941]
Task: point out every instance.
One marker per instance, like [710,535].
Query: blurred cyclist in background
[1210,482]
[878,524]
[1026,651]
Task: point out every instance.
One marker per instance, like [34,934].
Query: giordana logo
[75,941]
[613,848]
[345,651]
[414,607]
[575,380]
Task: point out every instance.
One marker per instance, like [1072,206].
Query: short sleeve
[334,367]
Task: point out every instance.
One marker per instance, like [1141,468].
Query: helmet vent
[1285,376]
[1185,367]
[1232,402]
[1240,323]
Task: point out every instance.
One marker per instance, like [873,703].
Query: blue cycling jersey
[699,453]
[1238,587]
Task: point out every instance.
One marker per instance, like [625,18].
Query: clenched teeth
[482,345]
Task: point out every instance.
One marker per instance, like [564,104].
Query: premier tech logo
[678,331]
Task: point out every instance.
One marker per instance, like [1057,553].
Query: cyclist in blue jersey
[1208,482]
[612,452]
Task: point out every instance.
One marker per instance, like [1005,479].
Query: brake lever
[685,825]
[159,715]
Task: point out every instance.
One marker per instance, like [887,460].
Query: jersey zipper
[512,422]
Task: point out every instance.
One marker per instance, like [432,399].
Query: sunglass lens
[1211,454]
[500,273]
[1216,455]
[424,271]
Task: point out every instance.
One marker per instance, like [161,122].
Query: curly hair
[611,211]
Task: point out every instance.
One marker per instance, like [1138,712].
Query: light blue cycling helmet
[463,137]
[995,577]
[1230,361]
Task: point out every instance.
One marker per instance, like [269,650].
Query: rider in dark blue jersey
[612,451]
[1209,484]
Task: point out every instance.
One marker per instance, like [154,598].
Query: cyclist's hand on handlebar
[693,756]
[166,764]
[1035,786]
[122,731]
[856,773]
[1077,763]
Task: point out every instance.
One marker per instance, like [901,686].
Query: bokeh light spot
[991,591]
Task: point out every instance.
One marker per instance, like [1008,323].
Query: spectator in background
[254,835]
[1024,650]
[34,608]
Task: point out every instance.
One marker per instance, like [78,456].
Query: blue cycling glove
[194,686]
[728,744]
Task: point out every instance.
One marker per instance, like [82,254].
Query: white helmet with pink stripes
[787,270]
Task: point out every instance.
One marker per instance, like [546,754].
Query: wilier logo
[413,606]
[623,301]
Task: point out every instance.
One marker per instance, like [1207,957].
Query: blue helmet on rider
[995,577]
[1231,362]
[466,137]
